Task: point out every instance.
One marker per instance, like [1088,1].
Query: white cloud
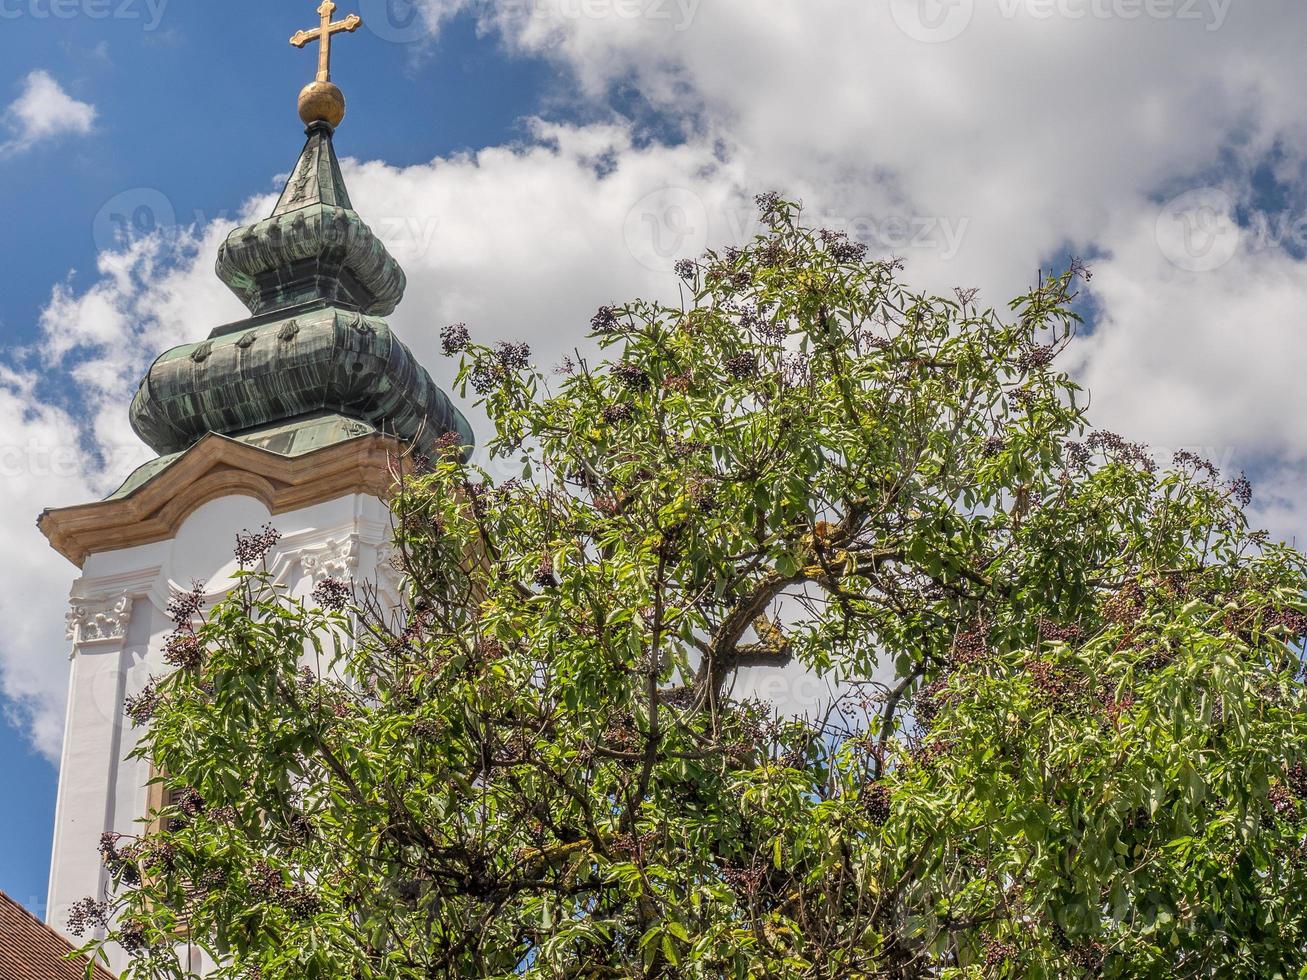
[978,159]
[44,111]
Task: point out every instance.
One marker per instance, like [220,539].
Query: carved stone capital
[337,559]
[102,620]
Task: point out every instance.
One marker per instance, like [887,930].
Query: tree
[1071,741]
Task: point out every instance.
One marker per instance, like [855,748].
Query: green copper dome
[317,282]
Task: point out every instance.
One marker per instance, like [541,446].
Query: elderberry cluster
[252,547]
[88,914]
[840,248]
[332,594]
[742,366]
[184,650]
[997,953]
[876,803]
[632,377]
[1185,459]
[544,575]
[616,414]
[746,880]
[141,708]
[120,862]
[454,339]
[605,321]
[184,606]
[1242,490]
[1035,356]
[686,268]
[1119,450]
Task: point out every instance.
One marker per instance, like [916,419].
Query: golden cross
[351,23]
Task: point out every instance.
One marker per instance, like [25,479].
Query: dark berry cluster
[677,382]
[768,204]
[840,248]
[1055,687]
[428,729]
[119,861]
[141,707]
[772,254]
[1297,780]
[544,575]
[993,446]
[131,937]
[514,357]
[618,413]
[1054,632]
[224,815]
[928,702]
[703,496]
[185,606]
[489,373]
[252,547]
[454,339]
[190,802]
[744,880]
[1119,450]
[876,803]
[450,444]
[605,321]
[1115,706]
[183,650]
[88,914]
[1126,605]
[1282,801]
[1035,356]
[1242,490]
[332,594]
[632,377]
[686,268]
[1075,455]
[743,365]
[1186,460]
[997,953]
[971,646]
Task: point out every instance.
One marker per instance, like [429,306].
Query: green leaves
[1071,709]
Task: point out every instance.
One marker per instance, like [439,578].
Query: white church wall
[118,627]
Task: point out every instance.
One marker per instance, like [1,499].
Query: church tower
[293,416]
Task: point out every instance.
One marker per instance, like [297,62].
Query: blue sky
[530,160]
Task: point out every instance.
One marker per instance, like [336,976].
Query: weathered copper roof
[323,360]
[316,282]
[314,246]
[33,951]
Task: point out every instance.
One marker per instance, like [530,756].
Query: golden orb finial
[320,100]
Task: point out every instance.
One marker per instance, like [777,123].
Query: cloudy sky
[530,160]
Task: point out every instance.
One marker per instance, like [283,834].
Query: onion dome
[317,283]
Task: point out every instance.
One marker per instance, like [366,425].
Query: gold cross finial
[323,34]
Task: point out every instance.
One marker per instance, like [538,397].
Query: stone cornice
[219,467]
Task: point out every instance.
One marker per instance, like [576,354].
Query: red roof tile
[31,950]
